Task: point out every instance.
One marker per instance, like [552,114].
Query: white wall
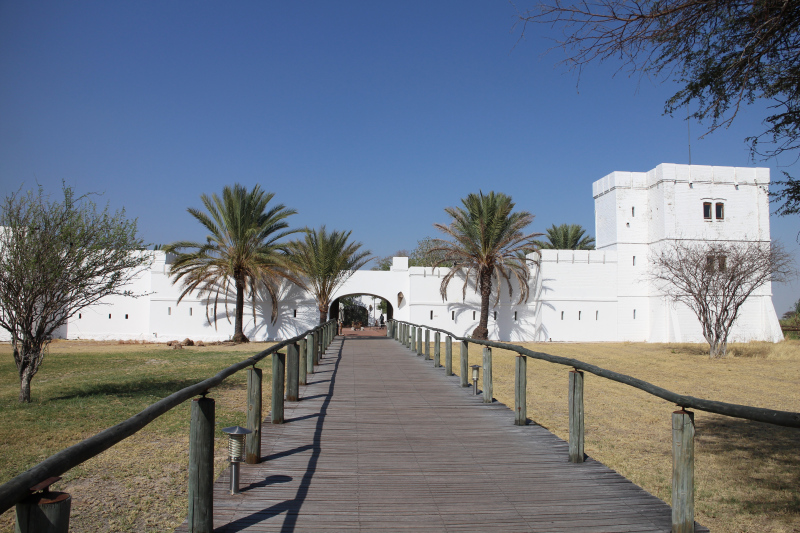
[597,295]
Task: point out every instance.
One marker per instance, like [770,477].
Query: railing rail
[18,488]
[758,414]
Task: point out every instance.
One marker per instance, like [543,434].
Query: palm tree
[567,237]
[241,252]
[326,260]
[487,244]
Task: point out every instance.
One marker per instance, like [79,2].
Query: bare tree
[55,259]
[715,278]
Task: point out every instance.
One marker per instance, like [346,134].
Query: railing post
[437,351]
[464,364]
[420,350]
[448,356]
[301,350]
[427,345]
[682,471]
[413,339]
[252,443]
[576,416]
[388,330]
[44,512]
[310,345]
[292,373]
[201,466]
[520,390]
[487,375]
[407,336]
[318,346]
[278,373]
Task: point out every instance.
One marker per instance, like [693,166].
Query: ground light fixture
[236,452]
[475,370]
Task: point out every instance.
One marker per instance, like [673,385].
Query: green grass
[83,388]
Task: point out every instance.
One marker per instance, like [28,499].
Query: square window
[126,317]
[707,210]
[720,211]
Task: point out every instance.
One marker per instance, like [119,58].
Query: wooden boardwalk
[381,441]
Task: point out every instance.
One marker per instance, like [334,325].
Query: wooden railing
[411,336]
[303,352]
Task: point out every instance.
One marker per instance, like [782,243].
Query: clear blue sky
[369,116]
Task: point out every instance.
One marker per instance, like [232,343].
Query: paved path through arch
[382,441]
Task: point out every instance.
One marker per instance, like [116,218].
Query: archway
[375,306]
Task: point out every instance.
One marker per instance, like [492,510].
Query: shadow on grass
[757,455]
[148,387]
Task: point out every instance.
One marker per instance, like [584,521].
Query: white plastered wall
[598,295]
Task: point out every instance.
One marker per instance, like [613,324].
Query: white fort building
[596,295]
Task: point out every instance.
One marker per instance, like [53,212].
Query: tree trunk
[323,314]
[238,334]
[482,331]
[25,378]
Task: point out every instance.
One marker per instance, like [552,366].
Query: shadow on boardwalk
[381,441]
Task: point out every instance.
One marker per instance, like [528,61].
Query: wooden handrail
[18,488]
[758,414]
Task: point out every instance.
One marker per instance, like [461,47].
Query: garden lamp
[475,370]
[236,452]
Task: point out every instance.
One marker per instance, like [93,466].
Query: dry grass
[83,387]
[747,473]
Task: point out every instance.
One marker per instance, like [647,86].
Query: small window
[579,315]
[109,316]
[634,260]
[562,315]
[169,310]
[190,311]
[515,316]
[473,315]
[722,263]
[431,314]
[79,316]
[495,315]
[596,315]
[707,210]
[126,317]
[710,260]
[294,314]
[634,314]
[453,315]
[633,211]
[720,211]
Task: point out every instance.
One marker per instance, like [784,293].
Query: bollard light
[475,370]
[236,452]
